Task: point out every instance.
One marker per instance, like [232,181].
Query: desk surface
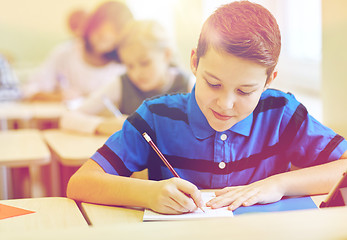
[22,148]
[306,224]
[50,213]
[100,215]
[73,149]
[24,111]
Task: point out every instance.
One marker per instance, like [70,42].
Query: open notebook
[149,215]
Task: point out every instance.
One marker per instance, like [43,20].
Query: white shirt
[65,69]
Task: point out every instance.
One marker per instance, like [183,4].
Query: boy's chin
[221,127]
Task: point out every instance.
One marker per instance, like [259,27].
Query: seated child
[148,54]
[231,132]
[77,67]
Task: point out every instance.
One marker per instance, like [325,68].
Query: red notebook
[9,211]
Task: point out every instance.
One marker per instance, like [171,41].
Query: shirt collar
[200,126]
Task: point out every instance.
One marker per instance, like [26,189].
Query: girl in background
[147,52]
[77,67]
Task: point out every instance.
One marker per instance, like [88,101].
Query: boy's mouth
[221,116]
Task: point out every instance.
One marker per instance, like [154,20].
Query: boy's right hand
[174,196]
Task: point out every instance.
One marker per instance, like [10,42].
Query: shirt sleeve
[314,143]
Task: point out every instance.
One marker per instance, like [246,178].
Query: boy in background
[231,132]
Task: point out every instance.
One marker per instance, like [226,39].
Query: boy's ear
[270,79]
[193,61]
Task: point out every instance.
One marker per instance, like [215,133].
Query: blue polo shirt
[278,133]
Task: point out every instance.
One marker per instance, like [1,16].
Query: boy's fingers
[251,201]
[247,199]
[184,202]
[222,191]
[191,191]
[171,210]
[220,202]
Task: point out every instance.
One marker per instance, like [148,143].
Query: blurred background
[30,29]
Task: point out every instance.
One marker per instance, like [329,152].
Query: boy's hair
[115,12]
[243,29]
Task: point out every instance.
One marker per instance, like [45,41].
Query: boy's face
[146,67]
[227,88]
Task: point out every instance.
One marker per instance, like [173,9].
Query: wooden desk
[23,148]
[306,224]
[70,150]
[50,213]
[100,215]
[28,114]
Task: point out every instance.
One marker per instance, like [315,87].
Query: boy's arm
[307,181]
[91,184]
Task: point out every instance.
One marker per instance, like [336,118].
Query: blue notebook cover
[287,204]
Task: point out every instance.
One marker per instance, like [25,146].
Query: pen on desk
[162,157]
[111,107]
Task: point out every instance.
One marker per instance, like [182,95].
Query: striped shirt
[278,133]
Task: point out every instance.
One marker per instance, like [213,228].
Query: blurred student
[9,84]
[148,54]
[77,67]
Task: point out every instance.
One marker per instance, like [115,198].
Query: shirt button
[221,165]
[223,137]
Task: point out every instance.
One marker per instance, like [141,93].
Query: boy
[231,132]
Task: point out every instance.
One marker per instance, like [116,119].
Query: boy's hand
[263,191]
[175,196]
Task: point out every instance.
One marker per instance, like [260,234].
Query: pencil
[162,157]
[111,107]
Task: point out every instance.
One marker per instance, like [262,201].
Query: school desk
[70,150]
[23,148]
[48,213]
[29,114]
[322,224]
[73,148]
[100,215]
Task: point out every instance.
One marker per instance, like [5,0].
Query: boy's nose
[136,73]
[226,101]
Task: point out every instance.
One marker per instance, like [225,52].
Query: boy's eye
[213,85]
[243,92]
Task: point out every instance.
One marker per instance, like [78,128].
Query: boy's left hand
[263,191]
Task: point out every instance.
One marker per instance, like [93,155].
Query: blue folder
[287,204]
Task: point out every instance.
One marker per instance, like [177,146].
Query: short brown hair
[243,29]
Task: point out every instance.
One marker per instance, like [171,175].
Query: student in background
[231,132]
[9,84]
[77,67]
[147,52]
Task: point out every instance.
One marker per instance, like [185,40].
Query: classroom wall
[29,29]
[334,65]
